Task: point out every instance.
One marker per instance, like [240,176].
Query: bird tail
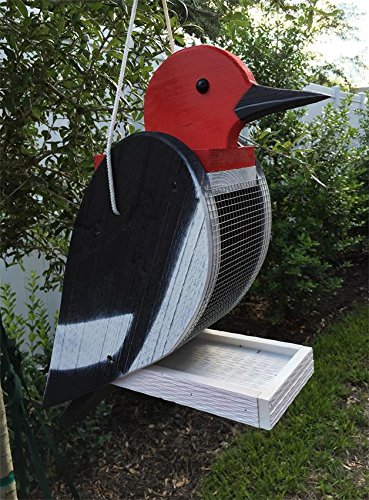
[80,407]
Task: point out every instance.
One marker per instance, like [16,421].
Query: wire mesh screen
[241,222]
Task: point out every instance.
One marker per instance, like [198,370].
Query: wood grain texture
[193,231]
[246,379]
[134,282]
[218,160]
[201,120]
[204,96]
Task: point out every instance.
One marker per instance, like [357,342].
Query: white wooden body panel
[247,379]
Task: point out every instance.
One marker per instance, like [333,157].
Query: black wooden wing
[134,283]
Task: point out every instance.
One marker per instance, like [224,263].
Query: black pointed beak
[260,101]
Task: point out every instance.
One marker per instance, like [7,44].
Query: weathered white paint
[192,268]
[225,179]
[79,345]
[82,344]
[246,379]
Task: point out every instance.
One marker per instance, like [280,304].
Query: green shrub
[316,230]
[60,61]
[35,432]
[319,204]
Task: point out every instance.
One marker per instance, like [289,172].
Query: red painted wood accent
[215,160]
[97,160]
[201,121]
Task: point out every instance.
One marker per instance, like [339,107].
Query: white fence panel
[314,110]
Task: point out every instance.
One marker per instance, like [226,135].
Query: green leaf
[310,18]
[19,4]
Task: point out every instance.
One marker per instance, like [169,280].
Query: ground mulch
[161,449]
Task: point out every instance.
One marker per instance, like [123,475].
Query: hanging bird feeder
[171,233]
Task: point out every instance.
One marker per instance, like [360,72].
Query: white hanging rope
[169,27]
[114,114]
[115,109]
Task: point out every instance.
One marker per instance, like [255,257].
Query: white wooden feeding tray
[247,379]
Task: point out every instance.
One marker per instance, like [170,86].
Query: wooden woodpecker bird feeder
[192,234]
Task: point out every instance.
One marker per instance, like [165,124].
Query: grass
[320,448]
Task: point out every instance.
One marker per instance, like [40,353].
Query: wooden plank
[252,342]
[246,379]
[276,398]
[134,284]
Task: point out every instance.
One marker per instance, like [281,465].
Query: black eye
[202,86]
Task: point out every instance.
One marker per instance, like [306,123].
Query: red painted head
[204,96]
